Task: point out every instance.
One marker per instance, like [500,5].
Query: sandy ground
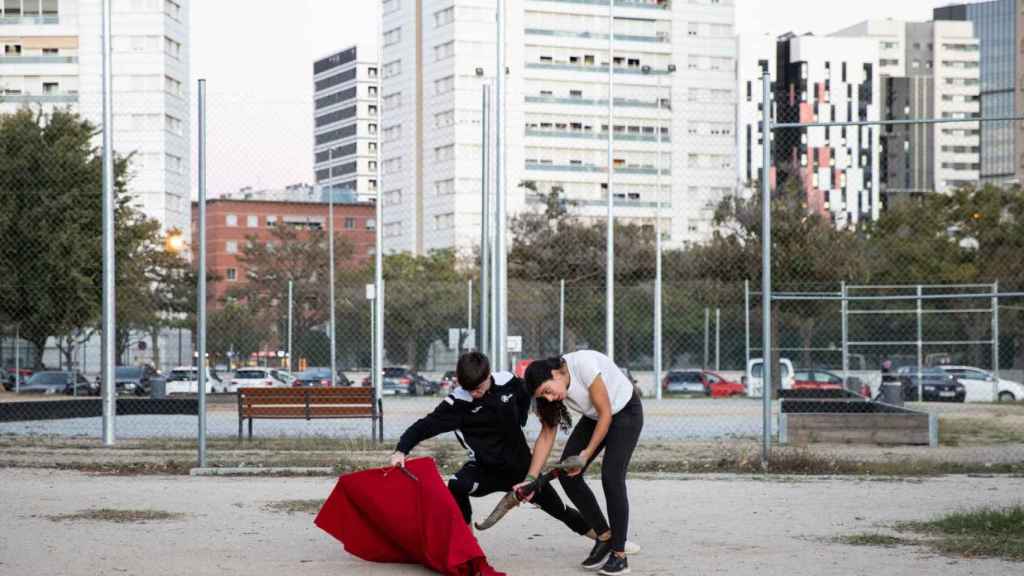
[686,525]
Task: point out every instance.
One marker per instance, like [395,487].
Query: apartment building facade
[345,123]
[998,27]
[51,57]
[673,126]
[929,70]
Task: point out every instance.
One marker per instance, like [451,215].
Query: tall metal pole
[501,201]
[920,345]
[995,340]
[17,363]
[201,304]
[846,334]
[485,217]
[746,325]
[330,284]
[291,303]
[108,341]
[561,317]
[469,307]
[718,337]
[707,336]
[766,265]
[610,249]
[378,255]
[657,254]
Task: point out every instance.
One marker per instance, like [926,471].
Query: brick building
[231,223]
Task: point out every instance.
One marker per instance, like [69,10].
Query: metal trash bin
[891,390]
[158,388]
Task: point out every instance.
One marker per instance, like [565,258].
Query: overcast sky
[258,70]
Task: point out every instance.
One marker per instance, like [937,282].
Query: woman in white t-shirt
[592,385]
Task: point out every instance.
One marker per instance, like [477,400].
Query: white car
[285,377]
[755,376]
[254,378]
[185,380]
[981,385]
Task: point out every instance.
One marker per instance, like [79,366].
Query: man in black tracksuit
[487,412]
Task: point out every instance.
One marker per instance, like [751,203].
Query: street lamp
[657,237]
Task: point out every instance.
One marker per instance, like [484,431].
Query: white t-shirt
[586,365]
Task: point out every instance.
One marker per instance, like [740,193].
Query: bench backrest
[282,402]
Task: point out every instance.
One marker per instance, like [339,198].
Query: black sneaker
[615,565]
[600,551]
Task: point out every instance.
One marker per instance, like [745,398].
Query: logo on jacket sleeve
[506,397]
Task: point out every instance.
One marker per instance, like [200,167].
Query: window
[693,29]
[50,7]
[172,9]
[51,87]
[390,6]
[350,223]
[393,36]
[393,101]
[443,153]
[393,197]
[231,220]
[576,93]
[444,17]
[444,85]
[392,165]
[444,187]
[252,221]
[172,47]
[174,163]
[172,86]
[371,72]
[232,274]
[371,224]
[444,51]
[391,69]
[231,247]
[393,133]
[446,118]
[271,221]
[172,124]
[444,221]
[371,90]
[392,229]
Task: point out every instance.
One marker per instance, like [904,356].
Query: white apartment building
[933,70]
[345,123]
[751,52]
[674,82]
[816,79]
[52,57]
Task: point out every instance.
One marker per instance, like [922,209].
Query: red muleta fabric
[383,515]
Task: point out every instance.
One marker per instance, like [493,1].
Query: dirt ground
[686,524]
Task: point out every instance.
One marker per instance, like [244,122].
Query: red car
[816,380]
[701,381]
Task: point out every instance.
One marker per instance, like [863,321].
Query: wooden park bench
[310,404]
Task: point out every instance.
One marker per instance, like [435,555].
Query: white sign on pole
[453,338]
[470,342]
[371,293]
[515,344]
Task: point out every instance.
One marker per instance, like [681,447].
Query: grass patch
[981,533]
[295,506]
[991,430]
[873,539]
[117,516]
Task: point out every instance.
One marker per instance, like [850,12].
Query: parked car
[136,380]
[448,382]
[185,380]
[285,377]
[10,380]
[319,376]
[982,385]
[755,375]
[930,385]
[816,379]
[254,378]
[710,384]
[400,380]
[56,382]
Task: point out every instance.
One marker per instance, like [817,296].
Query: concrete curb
[263,471]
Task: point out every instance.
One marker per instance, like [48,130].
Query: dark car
[319,376]
[136,380]
[399,380]
[448,382]
[56,382]
[933,384]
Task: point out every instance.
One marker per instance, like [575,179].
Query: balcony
[653,4]
[593,168]
[593,68]
[619,102]
[29,20]
[46,59]
[595,36]
[596,135]
[38,98]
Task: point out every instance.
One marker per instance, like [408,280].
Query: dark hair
[550,413]
[471,371]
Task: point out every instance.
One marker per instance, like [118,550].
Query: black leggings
[622,437]
[475,480]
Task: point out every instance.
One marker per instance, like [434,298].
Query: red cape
[383,515]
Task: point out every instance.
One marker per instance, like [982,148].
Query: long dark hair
[553,414]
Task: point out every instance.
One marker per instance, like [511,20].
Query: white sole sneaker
[631,548]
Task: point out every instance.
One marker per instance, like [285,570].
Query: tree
[51,224]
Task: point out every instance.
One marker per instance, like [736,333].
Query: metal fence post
[500,320]
[846,334]
[561,317]
[469,309]
[746,325]
[201,304]
[610,245]
[485,216]
[766,263]
[108,341]
[707,336]
[291,303]
[718,337]
[17,360]
[920,345]
[995,340]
